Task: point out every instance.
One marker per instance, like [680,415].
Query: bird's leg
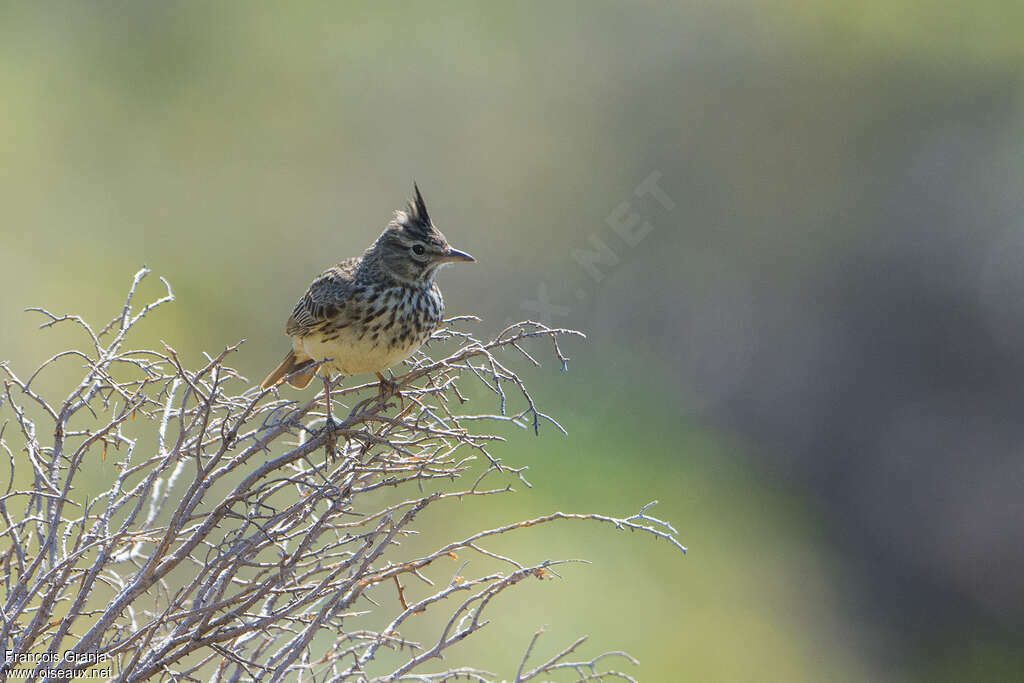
[331,443]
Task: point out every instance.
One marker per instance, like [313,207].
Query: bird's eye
[418,249]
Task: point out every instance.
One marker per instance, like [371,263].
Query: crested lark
[369,313]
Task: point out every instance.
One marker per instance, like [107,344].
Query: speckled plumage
[368,313]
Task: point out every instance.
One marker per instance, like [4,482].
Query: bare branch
[227,548]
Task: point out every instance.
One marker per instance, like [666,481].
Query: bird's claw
[331,442]
[388,388]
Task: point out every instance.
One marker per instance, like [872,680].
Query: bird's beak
[456,255]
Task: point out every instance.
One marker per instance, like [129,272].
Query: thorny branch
[225,546]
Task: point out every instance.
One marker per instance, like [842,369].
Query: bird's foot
[388,388]
[330,428]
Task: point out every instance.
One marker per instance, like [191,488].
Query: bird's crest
[415,218]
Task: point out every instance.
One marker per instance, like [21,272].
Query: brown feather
[290,364]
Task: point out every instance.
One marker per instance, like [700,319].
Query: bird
[370,312]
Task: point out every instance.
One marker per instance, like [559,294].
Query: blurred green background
[807,346]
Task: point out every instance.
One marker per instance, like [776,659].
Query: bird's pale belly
[353,356]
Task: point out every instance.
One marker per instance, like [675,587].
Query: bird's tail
[290,364]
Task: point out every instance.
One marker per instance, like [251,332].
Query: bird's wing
[325,300]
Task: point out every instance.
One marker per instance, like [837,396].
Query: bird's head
[411,248]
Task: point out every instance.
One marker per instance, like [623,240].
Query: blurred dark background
[793,232]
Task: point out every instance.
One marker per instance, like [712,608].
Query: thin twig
[225,549]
